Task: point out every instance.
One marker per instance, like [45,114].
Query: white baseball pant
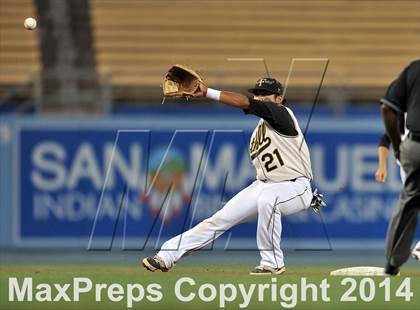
[269,201]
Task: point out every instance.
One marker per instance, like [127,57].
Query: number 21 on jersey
[269,161]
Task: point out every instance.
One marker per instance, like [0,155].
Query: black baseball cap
[269,85]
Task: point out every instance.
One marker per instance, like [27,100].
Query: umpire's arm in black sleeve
[393,103]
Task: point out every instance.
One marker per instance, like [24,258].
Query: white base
[360,271]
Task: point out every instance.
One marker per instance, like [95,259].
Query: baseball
[30,23]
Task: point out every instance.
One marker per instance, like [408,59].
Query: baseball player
[403,96]
[282,186]
[381,172]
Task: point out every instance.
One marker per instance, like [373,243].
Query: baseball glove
[180,81]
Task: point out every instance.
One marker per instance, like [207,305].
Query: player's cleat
[416,252]
[265,270]
[154,263]
[317,201]
[391,270]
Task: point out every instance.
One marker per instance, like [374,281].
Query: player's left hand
[201,90]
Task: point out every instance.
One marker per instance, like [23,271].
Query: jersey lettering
[260,142]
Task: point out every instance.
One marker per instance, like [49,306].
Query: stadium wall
[60,190]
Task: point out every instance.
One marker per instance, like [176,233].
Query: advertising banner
[90,185]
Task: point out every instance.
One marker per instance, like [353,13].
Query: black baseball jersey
[403,95]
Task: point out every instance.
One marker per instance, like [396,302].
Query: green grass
[124,275]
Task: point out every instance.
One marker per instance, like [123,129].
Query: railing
[30,97]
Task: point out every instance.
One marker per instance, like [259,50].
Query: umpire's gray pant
[402,227]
